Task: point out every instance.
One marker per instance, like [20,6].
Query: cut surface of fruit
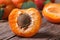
[25,22]
[56,10]
[53,9]
[52,12]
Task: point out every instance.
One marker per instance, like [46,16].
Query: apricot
[51,12]
[25,22]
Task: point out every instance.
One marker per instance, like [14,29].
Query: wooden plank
[5,31]
[48,31]
[50,28]
[18,38]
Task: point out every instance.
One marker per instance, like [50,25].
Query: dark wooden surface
[48,31]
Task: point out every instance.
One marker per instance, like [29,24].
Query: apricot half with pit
[25,22]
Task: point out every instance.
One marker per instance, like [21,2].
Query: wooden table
[48,31]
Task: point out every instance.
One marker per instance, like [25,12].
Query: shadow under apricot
[40,35]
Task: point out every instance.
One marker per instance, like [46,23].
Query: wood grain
[5,31]
[47,31]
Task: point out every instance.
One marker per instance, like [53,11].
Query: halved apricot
[51,12]
[25,22]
